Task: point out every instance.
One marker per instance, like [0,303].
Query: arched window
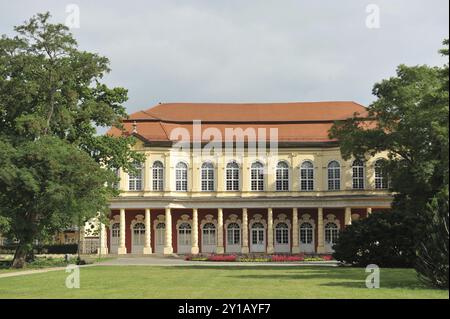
[307,176]
[138,234]
[158,176]
[207,177]
[306,233]
[334,176]
[160,233]
[233,234]
[358,174]
[232,176]
[257,177]
[282,234]
[209,234]
[381,179]
[135,178]
[115,233]
[331,233]
[184,234]
[282,177]
[181,177]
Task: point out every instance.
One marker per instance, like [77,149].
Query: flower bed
[259,258]
[286,258]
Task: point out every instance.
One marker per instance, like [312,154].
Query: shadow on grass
[338,276]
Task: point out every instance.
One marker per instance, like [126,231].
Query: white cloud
[231,51]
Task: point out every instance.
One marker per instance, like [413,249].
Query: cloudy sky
[249,51]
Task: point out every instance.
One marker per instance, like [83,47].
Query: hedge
[43,249]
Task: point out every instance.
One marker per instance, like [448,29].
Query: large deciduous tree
[409,121]
[55,170]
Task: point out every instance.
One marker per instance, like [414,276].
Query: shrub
[383,238]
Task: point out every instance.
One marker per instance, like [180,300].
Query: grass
[218,282]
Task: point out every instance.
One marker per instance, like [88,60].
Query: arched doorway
[331,235]
[138,238]
[115,237]
[184,238]
[160,234]
[282,236]
[233,238]
[257,238]
[306,233]
[209,238]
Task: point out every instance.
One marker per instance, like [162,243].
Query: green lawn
[218,282]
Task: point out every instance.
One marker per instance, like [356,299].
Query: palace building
[292,195]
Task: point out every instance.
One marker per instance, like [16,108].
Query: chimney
[134,127]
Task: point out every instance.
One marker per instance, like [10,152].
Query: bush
[432,253]
[383,238]
[60,249]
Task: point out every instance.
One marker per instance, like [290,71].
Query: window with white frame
[358,174]
[207,176]
[135,178]
[158,176]
[282,234]
[181,177]
[334,176]
[331,233]
[257,177]
[160,233]
[115,233]
[282,177]
[184,234]
[233,234]
[209,234]
[381,180]
[307,176]
[306,233]
[138,234]
[232,176]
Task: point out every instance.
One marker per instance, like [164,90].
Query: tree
[381,239]
[432,254]
[51,101]
[409,121]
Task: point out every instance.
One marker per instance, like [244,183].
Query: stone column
[270,248]
[103,243]
[168,249]
[194,234]
[122,248]
[148,233]
[295,239]
[369,211]
[320,231]
[244,249]
[348,216]
[219,246]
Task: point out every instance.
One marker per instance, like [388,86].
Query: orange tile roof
[296,122]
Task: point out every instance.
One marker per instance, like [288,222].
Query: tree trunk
[20,256]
